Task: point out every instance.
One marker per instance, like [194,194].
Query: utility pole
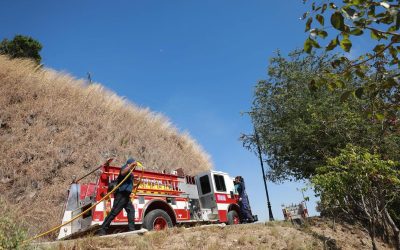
[271,216]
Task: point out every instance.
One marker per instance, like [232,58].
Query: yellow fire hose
[102,199]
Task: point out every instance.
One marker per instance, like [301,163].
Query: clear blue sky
[197,62]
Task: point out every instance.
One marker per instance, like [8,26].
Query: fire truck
[161,201]
[295,213]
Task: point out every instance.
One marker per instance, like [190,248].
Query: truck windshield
[219,183]
[205,184]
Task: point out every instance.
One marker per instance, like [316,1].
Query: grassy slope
[272,235]
[53,126]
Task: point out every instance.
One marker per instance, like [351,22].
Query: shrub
[12,233]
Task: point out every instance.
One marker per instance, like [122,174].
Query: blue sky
[196,62]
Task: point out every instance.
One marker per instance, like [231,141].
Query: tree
[370,19]
[361,185]
[21,46]
[301,126]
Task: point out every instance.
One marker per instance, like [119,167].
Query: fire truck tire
[233,218]
[157,220]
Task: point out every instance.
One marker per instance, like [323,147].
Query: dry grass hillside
[319,234]
[53,126]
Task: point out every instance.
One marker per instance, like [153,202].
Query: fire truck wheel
[157,220]
[233,218]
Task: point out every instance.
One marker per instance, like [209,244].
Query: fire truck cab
[218,197]
[162,200]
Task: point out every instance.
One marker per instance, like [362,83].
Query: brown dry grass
[273,235]
[53,126]
[255,236]
[347,236]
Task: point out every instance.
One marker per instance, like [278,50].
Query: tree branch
[380,31]
[370,58]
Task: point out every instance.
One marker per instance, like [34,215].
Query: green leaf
[395,38]
[389,83]
[346,29]
[349,11]
[322,33]
[315,44]
[308,46]
[393,52]
[345,95]
[332,44]
[331,85]
[386,19]
[348,75]
[361,23]
[340,84]
[324,6]
[336,63]
[308,24]
[375,35]
[381,15]
[312,85]
[320,19]
[379,48]
[359,73]
[344,59]
[392,28]
[371,11]
[394,61]
[346,44]
[357,32]
[305,14]
[337,21]
[357,2]
[380,116]
[371,87]
[359,92]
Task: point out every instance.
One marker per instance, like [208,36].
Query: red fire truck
[161,201]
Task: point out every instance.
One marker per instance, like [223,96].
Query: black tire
[231,218]
[155,218]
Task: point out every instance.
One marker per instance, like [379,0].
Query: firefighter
[244,204]
[122,199]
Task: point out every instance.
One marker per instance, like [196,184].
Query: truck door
[207,197]
[224,194]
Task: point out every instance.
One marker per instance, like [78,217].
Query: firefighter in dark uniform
[122,199]
[244,203]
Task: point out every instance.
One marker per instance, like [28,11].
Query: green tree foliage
[301,125]
[21,46]
[361,185]
[341,22]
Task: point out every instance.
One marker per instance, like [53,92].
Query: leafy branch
[351,18]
